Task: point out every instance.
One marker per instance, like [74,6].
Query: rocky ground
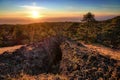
[57,58]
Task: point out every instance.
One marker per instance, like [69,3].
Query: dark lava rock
[59,56]
[92,65]
[33,59]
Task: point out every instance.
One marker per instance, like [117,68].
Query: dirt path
[9,49]
[115,54]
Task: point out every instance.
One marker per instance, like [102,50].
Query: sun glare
[33,11]
[35,14]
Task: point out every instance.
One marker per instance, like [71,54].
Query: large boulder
[35,58]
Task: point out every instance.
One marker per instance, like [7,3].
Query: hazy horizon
[32,11]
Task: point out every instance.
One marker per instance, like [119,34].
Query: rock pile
[81,63]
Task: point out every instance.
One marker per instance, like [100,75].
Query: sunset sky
[29,11]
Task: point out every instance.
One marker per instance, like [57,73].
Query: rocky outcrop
[57,58]
[36,58]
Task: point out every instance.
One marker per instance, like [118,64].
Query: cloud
[33,7]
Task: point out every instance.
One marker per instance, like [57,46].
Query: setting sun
[59,39]
[35,14]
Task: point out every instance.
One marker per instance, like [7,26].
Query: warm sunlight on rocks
[59,39]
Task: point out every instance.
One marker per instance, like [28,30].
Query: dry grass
[115,54]
[9,49]
[39,61]
[40,77]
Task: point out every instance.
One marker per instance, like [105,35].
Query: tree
[89,17]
